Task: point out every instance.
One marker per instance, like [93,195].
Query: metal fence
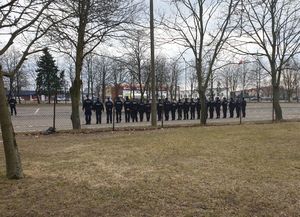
[39,117]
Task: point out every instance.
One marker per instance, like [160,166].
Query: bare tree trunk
[75,90]
[13,161]
[289,94]
[276,104]
[11,87]
[75,97]
[103,92]
[203,108]
[77,83]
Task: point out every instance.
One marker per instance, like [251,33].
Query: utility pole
[152,68]
[243,87]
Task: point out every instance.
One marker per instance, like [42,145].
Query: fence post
[54,110]
[113,128]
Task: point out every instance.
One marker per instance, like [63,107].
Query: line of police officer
[189,109]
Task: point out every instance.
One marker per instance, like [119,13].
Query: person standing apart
[12,104]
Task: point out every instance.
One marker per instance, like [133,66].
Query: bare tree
[272,32]
[18,20]
[89,73]
[19,79]
[202,27]
[191,78]
[256,76]
[88,24]
[290,78]
[103,71]
[174,71]
[118,74]
[161,69]
[229,78]
[137,49]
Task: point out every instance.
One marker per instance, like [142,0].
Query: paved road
[40,117]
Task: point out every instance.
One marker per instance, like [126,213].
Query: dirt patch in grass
[248,170]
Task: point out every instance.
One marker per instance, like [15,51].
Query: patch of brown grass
[248,170]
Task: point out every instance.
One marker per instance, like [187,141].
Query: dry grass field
[248,170]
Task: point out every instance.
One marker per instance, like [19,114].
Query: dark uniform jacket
[179,106]
[148,107]
[87,106]
[186,106]
[173,106]
[127,105]
[109,106]
[193,106]
[118,105]
[134,105]
[98,106]
[141,107]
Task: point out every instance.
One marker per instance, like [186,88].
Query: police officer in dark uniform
[173,109]
[127,105]
[211,107]
[12,104]
[186,108]
[224,107]
[193,108]
[231,107]
[160,107]
[109,108]
[98,108]
[238,107]
[148,109]
[218,107]
[118,107]
[87,108]
[167,108]
[179,109]
[134,110]
[243,105]
[198,108]
[141,109]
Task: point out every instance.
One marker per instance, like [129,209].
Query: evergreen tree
[47,81]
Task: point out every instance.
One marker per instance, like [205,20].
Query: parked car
[254,98]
